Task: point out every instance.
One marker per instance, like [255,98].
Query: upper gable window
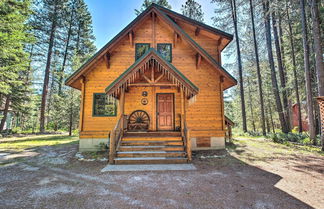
[165,50]
[103,105]
[140,49]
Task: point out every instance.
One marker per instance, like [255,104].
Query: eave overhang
[156,9]
[152,59]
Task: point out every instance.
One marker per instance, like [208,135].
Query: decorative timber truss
[154,70]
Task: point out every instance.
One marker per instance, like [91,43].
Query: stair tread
[147,152]
[150,158]
[149,141]
[157,146]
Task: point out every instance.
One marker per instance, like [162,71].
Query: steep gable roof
[175,15]
[153,8]
[165,67]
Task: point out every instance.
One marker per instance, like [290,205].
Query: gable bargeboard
[205,117]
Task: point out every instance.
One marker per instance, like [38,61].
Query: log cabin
[154,92]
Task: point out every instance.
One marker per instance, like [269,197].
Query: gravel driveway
[236,178]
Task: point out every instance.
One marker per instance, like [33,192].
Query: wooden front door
[165,112]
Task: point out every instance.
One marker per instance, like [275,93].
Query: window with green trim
[103,105]
[165,50]
[140,49]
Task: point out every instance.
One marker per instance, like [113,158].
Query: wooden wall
[204,117]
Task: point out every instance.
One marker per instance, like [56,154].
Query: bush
[301,138]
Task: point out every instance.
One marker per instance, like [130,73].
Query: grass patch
[20,144]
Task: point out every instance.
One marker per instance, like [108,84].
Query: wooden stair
[151,148]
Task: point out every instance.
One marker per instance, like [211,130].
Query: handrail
[115,138]
[187,140]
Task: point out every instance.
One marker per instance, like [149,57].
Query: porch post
[182,110]
[122,106]
[83,80]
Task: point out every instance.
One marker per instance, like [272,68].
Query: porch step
[151,143]
[149,154]
[153,133]
[156,148]
[151,160]
[152,138]
[151,148]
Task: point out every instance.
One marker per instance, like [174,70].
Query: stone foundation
[215,143]
[91,144]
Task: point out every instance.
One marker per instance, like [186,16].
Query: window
[165,50]
[102,106]
[140,49]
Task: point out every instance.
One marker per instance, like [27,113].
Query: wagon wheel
[139,119]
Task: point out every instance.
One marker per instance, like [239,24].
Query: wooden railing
[115,137]
[186,138]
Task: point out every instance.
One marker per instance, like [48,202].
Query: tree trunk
[47,71]
[310,109]
[280,69]
[267,120]
[293,57]
[250,103]
[258,71]
[234,16]
[318,53]
[284,128]
[66,52]
[5,113]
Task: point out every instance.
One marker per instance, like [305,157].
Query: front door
[165,112]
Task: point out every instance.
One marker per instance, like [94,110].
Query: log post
[122,106]
[83,80]
[222,101]
[182,111]
[189,152]
[112,148]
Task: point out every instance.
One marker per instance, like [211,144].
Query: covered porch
[152,97]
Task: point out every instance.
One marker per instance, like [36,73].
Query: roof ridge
[230,36]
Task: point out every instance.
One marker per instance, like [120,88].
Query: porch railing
[185,132]
[115,137]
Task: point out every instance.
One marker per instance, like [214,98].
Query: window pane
[165,51]
[103,106]
[141,49]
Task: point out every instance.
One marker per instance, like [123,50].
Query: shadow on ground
[220,181]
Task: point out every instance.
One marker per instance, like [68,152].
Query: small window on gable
[103,105]
[140,49]
[165,50]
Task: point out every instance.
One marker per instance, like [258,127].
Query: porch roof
[152,57]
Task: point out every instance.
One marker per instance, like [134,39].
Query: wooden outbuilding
[155,90]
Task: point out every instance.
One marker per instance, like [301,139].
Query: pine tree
[192,9]
[147,3]
[14,37]
[318,53]
[309,97]
[282,120]
[256,52]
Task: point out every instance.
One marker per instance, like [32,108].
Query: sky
[109,17]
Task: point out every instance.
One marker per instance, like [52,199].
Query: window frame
[93,107]
[137,44]
[157,49]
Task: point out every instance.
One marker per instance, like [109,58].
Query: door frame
[157,108]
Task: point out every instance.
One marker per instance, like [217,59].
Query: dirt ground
[252,173]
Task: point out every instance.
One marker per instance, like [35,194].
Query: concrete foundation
[216,143]
[91,144]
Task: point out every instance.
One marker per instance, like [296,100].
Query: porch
[152,101]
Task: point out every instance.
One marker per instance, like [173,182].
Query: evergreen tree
[147,3]
[192,9]
[14,37]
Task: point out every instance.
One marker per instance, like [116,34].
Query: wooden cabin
[155,91]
